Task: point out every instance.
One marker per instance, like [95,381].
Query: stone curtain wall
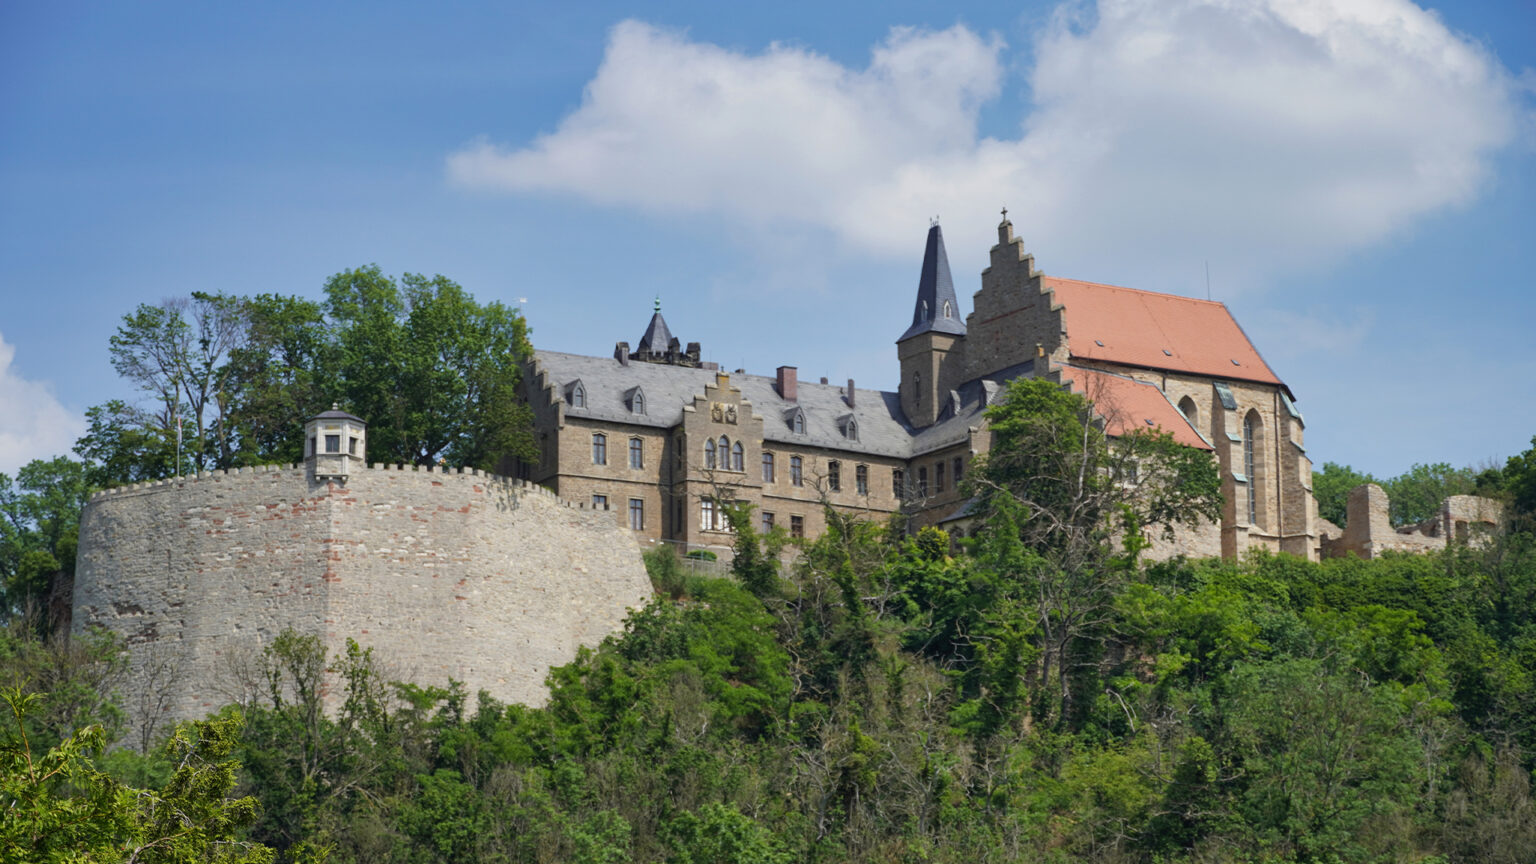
[446,575]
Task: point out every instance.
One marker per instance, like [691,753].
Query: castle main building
[663,438]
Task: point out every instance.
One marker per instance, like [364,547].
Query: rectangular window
[707,515]
[938,476]
[599,502]
[599,449]
[767,522]
[861,479]
[959,470]
[352,446]
[636,453]
[922,481]
[834,476]
[797,526]
[333,443]
[898,483]
[796,471]
[636,514]
[767,467]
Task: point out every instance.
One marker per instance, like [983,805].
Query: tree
[1417,493]
[39,527]
[435,373]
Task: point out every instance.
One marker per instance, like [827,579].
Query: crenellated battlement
[265,471]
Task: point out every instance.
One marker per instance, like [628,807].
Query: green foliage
[1416,494]
[1331,487]
[39,529]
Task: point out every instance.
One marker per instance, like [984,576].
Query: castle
[663,437]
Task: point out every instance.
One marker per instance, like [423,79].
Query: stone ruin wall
[445,575]
[1368,530]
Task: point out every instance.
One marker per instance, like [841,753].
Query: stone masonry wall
[445,575]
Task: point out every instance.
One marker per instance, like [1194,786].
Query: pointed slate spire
[936,310]
[657,337]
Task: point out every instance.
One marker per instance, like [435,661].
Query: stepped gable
[1157,331]
[1128,405]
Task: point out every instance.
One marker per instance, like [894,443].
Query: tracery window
[1253,501]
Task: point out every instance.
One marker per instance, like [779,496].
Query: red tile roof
[1157,331]
[1127,404]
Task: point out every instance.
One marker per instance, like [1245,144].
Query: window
[767,467]
[1253,502]
[599,502]
[959,470]
[636,453]
[578,396]
[352,445]
[725,453]
[917,383]
[834,476]
[636,514]
[333,443]
[707,514]
[798,424]
[797,526]
[898,482]
[796,473]
[709,453]
[738,458]
[637,402]
[1190,412]
[948,311]
[599,449]
[861,479]
[767,522]
[312,450]
[938,476]
[851,431]
[922,481]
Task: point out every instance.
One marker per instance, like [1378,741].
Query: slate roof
[935,293]
[1157,331]
[337,414]
[657,336]
[882,430]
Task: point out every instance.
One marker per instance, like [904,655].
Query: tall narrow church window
[599,449]
[835,476]
[738,457]
[709,453]
[1253,501]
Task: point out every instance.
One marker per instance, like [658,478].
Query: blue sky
[1361,180]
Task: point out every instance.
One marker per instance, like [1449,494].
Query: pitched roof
[936,309]
[1157,331]
[1128,405]
[657,337]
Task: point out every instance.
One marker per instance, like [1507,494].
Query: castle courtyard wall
[465,576]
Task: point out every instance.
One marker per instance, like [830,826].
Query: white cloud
[33,424]
[1255,134]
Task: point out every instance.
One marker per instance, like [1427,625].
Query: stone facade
[460,575]
[1368,530]
[1182,364]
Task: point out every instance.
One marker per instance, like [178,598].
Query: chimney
[621,353]
[823,379]
[788,391]
[850,393]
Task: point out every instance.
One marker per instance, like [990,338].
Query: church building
[663,438]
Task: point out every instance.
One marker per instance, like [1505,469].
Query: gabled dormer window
[850,428]
[796,421]
[636,401]
[577,396]
[948,312]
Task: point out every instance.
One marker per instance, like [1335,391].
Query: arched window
[796,471]
[709,453]
[861,479]
[738,460]
[767,467]
[947,312]
[599,449]
[725,453]
[834,476]
[852,430]
[1190,412]
[637,402]
[799,423]
[578,396]
[1253,481]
